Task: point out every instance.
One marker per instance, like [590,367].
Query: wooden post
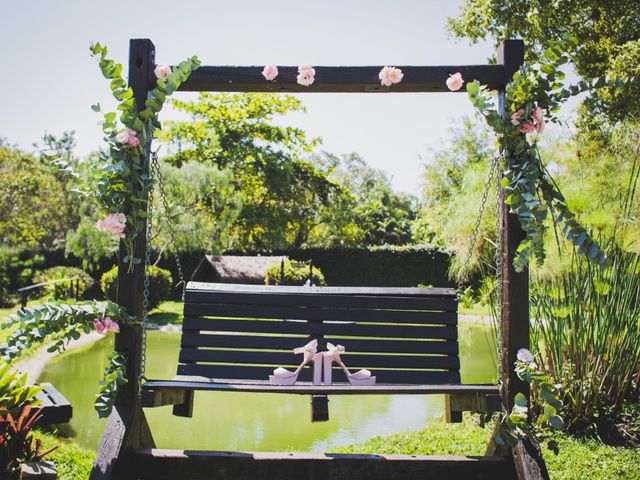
[131,284]
[515,286]
[127,427]
[527,457]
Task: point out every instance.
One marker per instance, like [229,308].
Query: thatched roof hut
[234,268]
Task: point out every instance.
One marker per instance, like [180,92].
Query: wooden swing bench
[235,335]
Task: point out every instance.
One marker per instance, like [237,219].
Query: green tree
[607,33]
[34,210]
[203,206]
[454,177]
[368,212]
[280,191]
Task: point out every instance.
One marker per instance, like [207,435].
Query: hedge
[388,266]
[404,266]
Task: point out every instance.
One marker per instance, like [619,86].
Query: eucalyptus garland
[515,426]
[60,322]
[122,187]
[534,96]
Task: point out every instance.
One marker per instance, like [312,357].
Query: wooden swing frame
[127,449]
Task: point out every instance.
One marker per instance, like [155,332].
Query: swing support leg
[127,429]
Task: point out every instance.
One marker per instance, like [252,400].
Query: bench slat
[289,343]
[443,303]
[319,328]
[262,373]
[288,359]
[322,314]
[293,290]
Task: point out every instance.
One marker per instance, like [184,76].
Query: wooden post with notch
[515,286]
[127,426]
[526,456]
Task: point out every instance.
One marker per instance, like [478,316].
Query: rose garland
[122,188]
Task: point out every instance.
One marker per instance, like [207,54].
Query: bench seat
[234,336]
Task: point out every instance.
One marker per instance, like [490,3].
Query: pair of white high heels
[321,361]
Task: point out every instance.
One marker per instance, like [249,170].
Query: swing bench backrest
[240,333]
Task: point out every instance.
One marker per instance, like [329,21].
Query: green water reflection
[259,422]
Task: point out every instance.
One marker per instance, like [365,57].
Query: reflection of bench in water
[54,407]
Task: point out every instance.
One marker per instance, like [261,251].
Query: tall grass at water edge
[586,324]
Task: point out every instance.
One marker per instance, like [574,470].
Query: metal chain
[499,260]
[147,287]
[155,171]
[476,229]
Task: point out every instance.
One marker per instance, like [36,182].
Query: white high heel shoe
[282,376]
[360,378]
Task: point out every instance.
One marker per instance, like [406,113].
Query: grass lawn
[72,461]
[167,313]
[578,459]
[5,332]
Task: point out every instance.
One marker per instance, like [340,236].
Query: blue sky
[49,81]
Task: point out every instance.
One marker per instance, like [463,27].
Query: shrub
[159,286]
[295,273]
[63,290]
[17,267]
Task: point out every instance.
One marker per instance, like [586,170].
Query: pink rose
[162,71]
[128,137]
[270,72]
[455,81]
[123,136]
[527,127]
[524,355]
[538,119]
[515,117]
[110,325]
[100,328]
[306,75]
[390,75]
[105,325]
[114,223]
[134,141]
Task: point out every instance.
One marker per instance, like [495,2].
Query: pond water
[252,421]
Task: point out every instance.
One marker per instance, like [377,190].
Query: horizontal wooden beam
[339,79]
[171,464]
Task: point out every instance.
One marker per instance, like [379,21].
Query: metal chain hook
[476,230]
[155,170]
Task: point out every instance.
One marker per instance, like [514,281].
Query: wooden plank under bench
[159,464]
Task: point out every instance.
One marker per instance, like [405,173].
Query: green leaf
[520,400]
[556,422]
